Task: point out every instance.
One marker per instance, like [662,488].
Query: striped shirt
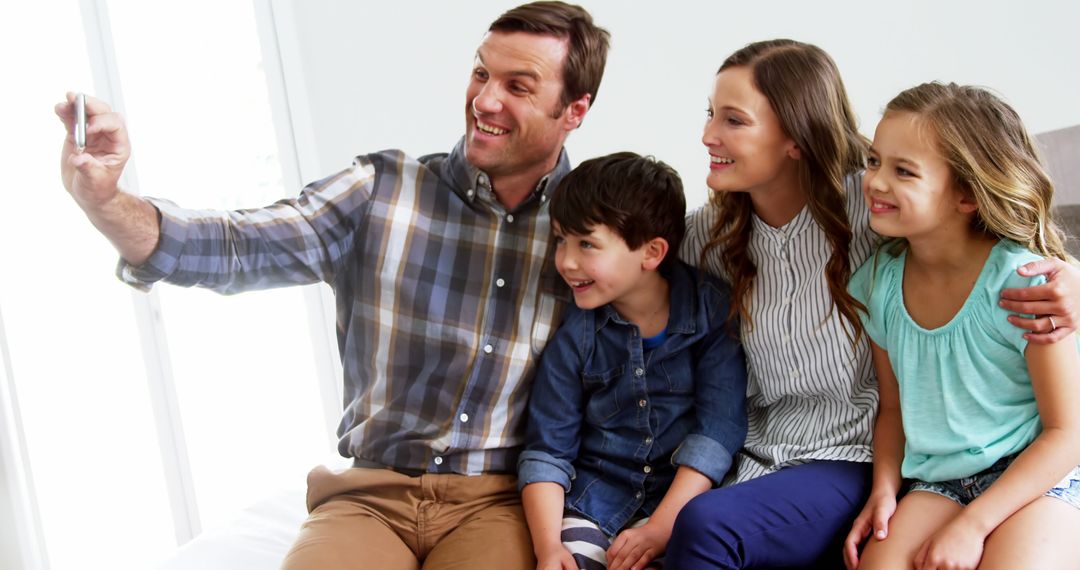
[810,393]
[444,298]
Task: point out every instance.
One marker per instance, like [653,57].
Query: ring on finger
[1053,325]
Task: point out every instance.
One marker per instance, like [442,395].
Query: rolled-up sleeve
[174,222]
[536,466]
[556,410]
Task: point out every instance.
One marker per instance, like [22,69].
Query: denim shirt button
[639,372]
[648,440]
[642,403]
[647,469]
[638,495]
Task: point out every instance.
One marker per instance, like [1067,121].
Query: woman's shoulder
[699,224]
[856,206]
[853,180]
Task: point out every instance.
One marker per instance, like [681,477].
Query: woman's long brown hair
[803,86]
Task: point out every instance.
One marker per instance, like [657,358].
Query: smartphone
[80,122]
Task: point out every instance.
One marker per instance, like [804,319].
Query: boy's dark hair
[638,197]
[587,43]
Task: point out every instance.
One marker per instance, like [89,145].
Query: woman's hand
[874,517]
[1054,303]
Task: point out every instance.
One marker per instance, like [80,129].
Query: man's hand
[91,176]
[1053,303]
[635,548]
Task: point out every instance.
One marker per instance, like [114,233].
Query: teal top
[965,393]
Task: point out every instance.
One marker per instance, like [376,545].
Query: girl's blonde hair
[992,158]
[804,89]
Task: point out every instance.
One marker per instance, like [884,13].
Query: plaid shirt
[444,298]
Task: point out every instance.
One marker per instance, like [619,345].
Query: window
[147,417]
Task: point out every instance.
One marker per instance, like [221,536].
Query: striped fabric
[444,298]
[588,544]
[810,394]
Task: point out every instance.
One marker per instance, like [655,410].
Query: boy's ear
[656,250]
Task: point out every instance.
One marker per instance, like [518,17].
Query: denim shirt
[610,422]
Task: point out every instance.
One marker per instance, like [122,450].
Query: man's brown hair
[587,44]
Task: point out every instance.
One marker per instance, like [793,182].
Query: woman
[786,227]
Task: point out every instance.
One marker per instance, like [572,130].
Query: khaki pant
[378,518]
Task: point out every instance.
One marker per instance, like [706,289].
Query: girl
[786,227]
[982,421]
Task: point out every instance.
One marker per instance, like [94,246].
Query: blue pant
[794,518]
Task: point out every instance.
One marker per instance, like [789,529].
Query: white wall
[392,75]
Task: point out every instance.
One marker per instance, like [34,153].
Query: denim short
[965,489]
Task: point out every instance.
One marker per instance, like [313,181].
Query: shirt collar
[682,284]
[469,181]
[803,220]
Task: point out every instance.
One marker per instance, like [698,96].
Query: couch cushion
[1068,217]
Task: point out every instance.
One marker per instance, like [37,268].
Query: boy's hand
[874,517]
[635,548]
[957,546]
[555,559]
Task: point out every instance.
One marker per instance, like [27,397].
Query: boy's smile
[598,267]
[580,286]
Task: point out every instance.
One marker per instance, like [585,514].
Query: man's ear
[656,250]
[576,111]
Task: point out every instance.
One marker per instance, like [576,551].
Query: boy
[643,386]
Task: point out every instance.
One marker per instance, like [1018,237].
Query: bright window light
[197,105]
[203,136]
[76,357]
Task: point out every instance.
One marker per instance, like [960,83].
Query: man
[445,295]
